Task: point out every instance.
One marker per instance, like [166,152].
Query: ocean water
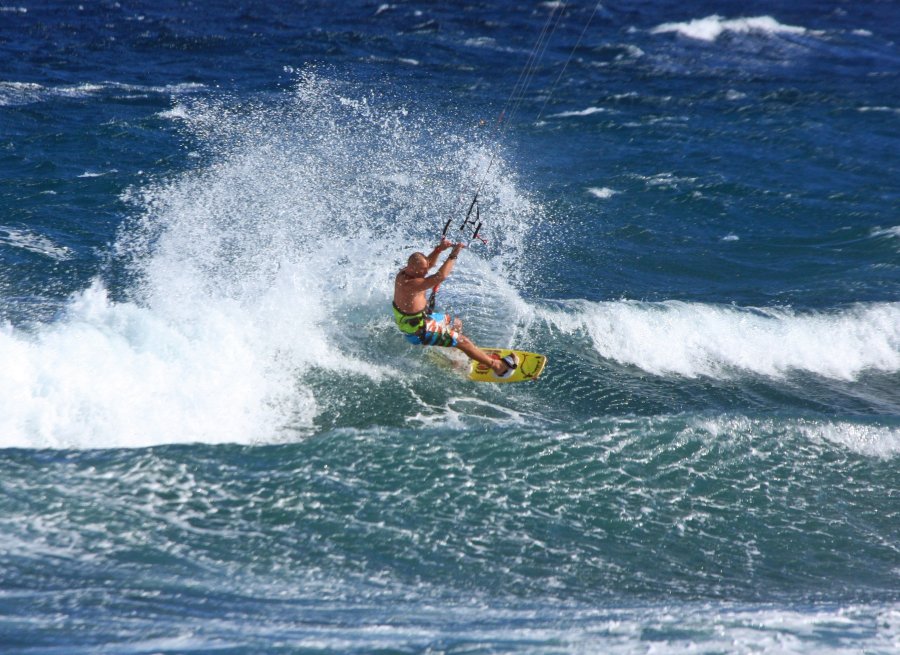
[213,440]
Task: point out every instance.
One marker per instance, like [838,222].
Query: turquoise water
[212,439]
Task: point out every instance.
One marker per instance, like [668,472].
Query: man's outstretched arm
[447,266]
[441,247]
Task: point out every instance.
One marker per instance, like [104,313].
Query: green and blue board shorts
[424,329]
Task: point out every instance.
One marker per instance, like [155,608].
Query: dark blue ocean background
[213,440]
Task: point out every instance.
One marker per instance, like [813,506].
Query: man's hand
[445,243]
[456,248]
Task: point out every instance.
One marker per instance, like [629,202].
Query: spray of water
[269,262]
[259,285]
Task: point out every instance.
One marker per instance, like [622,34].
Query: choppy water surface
[213,439]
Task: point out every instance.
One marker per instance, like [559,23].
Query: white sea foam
[871,440]
[23,93]
[672,628]
[602,192]
[182,88]
[123,375]
[665,180]
[590,111]
[886,110]
[489,43]
[712,27]
[89,174]
[15,93]
[78,90]
[178,112]
[258,278]
[694,339]
[481,42]
[867,439]
[887,232]
[28,240]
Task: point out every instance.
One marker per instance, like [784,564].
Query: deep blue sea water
[213,440]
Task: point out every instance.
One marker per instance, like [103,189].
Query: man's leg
[476,353]
[437,333]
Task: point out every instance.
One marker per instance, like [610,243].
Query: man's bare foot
[504,367]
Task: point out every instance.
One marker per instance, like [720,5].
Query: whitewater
[241,267]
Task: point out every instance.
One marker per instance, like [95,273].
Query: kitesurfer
[424,327]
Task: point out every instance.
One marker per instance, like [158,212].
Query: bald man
[434,329]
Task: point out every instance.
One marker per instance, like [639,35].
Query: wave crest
[695,339]
[712,27]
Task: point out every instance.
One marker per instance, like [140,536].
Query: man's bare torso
[408,300]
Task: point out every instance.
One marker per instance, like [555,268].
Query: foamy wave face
[862,438]
[249,273]
[119,375]
[871,440]
[712,27]
[692,339]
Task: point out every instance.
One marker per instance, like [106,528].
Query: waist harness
[409,323]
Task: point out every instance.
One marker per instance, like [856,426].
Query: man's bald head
[417,265]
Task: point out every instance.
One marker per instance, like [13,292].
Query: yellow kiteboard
[529,368]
